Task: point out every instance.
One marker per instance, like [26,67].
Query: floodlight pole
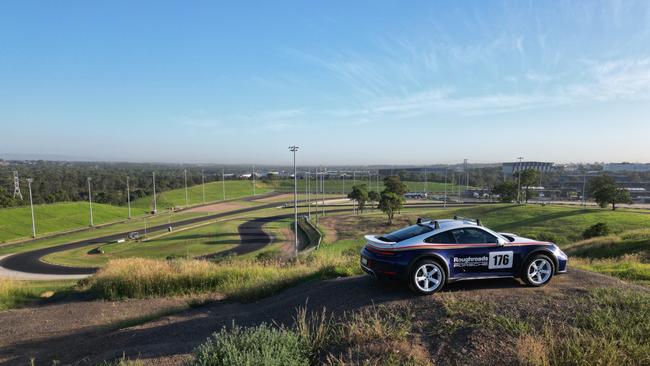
[444,202]
[253,180]
[295,199]
[308,189]
[187,202]
[344,183]
[31,205]
[128,195]
[519,180]
[90,202]
[584,186]
[203,185]
[155,205]
[425,181]
[223,183]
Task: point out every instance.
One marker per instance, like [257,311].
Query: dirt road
[168,341]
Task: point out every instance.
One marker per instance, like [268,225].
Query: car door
[480,254]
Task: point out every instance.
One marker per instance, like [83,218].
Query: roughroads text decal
[470,261]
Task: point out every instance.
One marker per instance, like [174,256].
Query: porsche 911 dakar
[435,252]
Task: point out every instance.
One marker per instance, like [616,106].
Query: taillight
[381,252]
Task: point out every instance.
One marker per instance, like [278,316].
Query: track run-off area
[252,238]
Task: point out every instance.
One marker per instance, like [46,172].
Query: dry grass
[9,290]
[237,279]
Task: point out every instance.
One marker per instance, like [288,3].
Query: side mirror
[501,241]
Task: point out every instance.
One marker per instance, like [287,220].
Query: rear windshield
[406,233]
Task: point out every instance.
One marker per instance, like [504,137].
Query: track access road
[253,238]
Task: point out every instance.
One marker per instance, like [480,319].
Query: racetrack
[252,236]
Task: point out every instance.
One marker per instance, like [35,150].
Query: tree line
[65,181]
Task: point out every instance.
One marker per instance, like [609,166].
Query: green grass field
[208,239]
[16,222]
[213,193]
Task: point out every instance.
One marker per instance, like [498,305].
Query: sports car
[432,253]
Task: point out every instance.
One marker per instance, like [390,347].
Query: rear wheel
[427,277]
[538,271]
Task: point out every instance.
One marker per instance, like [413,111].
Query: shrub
[598,229]
[269,256]
[261,345]
[549,237]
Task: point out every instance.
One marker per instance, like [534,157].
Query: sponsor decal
[470,261]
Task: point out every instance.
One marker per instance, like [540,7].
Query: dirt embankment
[77,331]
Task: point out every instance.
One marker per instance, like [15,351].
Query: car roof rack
[477,221]
[422,220]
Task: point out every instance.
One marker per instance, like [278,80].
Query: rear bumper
[378,266]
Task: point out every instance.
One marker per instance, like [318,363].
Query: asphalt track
[253,238]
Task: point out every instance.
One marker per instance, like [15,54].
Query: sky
[349,82]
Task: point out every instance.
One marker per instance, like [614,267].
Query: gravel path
[66,332]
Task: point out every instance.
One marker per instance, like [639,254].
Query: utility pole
[17,192]
[203,185]
[187,202]
[343,183]
[519,180]
[155,205]
[90,201]
[425,182]
[31,205]
[316,194]
[128,195]
[223,183]
[322,180]
[295,199]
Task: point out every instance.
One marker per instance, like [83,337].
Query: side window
[473,236]
[444,237]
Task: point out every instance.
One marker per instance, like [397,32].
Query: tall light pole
[90,202]
[343,183]
[203,184]
[223,183]
[187,202]
[31,205]
[308,189]
[253,180]
[584,186]
[155,205]
[519,179]
[425,182]
[128,195]
[295,198]
[444,202]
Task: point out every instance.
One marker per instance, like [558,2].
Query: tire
[538,270]
[427,277]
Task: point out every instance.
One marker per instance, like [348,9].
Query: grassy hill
[16,222]
[213,192]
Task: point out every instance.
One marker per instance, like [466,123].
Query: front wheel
[427,277]
[538,271]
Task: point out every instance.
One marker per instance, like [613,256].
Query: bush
[598,229]
[269,256]
[261,345]
[551,238]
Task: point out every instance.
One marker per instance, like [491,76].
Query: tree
[360,195]
[394,184]
[529,178]
[605,191]
[373,196]
[390,203]
[507,191]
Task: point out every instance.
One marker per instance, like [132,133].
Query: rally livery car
[435,252]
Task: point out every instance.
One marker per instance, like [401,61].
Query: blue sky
[356,82]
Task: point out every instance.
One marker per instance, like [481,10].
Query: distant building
[510,169]
[627,167]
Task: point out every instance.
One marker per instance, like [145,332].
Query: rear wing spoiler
[375,240]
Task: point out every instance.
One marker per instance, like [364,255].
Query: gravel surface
[71,332]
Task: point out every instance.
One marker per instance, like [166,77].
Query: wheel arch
[433,256]
[545,252]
